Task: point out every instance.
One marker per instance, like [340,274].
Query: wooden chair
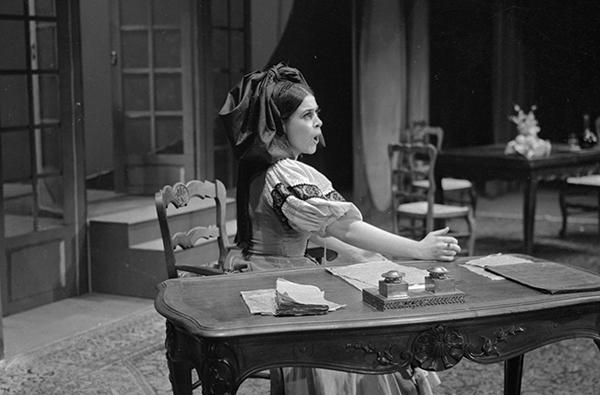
[186,234]
[455,189]
[576,197]
[416,205]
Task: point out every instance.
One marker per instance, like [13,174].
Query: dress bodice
[289,202]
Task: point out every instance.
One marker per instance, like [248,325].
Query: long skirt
[307,381]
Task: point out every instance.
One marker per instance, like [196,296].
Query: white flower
[527,124]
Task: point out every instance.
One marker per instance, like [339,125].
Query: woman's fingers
[448,248]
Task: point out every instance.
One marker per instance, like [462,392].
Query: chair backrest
[179,195]
[407,166]
[425,134]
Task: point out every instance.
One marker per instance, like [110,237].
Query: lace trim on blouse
[281,193]
[304,199]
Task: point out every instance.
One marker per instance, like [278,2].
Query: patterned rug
[127,357]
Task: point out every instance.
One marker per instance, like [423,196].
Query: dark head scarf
[255,131]
[252,121]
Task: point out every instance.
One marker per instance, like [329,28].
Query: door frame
[67,241]
[149,165]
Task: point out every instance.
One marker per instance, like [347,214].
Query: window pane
[220,46]
[221,86]
[238,58]
[46,45]
[134,47]
[237,14]
[169,135]
[168,92]
[137,135]
[50,198]
[219,13]
[15,103]
[220,136]
[49,100]
[12,45]
[167,12]
[16,156]
[222,165]
[18,200]
[44,8]
[167,48]
[134,12]
[136,93]
[12,7]
[51,150]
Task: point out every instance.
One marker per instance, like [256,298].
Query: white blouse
[305,198]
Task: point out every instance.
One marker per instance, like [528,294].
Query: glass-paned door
[37,146]
[152,58]
[230,56]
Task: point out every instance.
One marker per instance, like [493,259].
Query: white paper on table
[478,265]
[368,274]
[262,301]
[303,294]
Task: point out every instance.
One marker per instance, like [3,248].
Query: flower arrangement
[527,142]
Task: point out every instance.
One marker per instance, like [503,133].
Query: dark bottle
[588,139]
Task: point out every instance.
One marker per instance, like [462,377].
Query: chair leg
[473,196]
[471,224]
[563,210]
[599,211]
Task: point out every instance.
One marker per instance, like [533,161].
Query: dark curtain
[318,41]
[487,56]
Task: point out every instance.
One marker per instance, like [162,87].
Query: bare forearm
[346,252]
[436,245]
[363,235]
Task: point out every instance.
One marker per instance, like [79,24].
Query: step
[126,256]
[142,223]
[207,248]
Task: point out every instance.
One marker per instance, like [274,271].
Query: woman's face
[303,127]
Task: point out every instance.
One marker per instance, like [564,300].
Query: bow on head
[252,121]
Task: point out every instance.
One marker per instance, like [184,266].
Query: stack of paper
[298,299]
[288,298]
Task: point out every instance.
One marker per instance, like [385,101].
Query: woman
[271,119]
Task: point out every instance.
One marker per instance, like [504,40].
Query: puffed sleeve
[305,198]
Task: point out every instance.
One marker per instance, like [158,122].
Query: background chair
[413,208]
[186,234]
[576,197]
[456,190]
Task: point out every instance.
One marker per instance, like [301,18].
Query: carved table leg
[180,375]
[529,202]
[182,352]
[513,371]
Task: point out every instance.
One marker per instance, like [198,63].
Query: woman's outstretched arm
[437,245]
[346,253]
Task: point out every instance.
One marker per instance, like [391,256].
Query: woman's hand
[439,246]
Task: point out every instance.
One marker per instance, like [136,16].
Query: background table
[487,163]
[210,327]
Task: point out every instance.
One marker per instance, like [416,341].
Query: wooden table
[210,327]
[486,163]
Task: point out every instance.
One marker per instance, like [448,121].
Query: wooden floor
[47,324]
